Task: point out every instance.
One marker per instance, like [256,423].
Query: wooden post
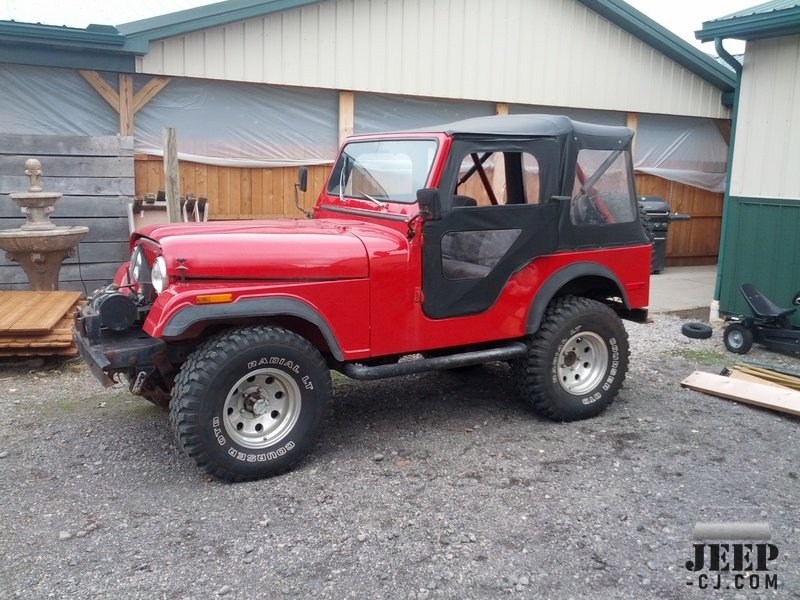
[346,114]
[632,121]
[172,184]
[126,105]
[501,108]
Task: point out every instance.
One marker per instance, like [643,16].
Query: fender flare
[254,307]
[559,279]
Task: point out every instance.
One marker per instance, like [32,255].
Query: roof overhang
[758,24]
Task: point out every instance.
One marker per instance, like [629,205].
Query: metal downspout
[737,67]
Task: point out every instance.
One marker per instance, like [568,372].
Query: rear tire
[249,403]
[576,362]
[738,338]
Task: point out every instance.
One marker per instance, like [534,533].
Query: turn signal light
[214,298]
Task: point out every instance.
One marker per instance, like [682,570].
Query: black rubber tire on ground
[649,231]
[249,402]
[738,338]
[696,331]
[576,362]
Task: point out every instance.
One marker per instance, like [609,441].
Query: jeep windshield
[389,170]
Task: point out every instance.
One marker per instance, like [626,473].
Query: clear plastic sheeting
[47,101]
[600,117]
[241,125]
[376,113]
[687,150]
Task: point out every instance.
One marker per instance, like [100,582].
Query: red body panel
[359,266]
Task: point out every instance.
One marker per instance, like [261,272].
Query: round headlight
[137,264]
[159,275]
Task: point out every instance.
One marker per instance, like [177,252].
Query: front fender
[179,320]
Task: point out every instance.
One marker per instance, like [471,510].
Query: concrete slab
[682,288]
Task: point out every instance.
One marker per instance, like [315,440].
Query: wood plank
[71,166]
[100,252]
[102,87]
[757,394]
[74,186]
[75,206]
[768,375]
[104,272]
[736,374]
[36,312]
[149,91]
[42,146]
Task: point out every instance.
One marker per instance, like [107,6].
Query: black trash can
[657,209]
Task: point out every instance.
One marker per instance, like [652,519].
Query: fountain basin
[40,253]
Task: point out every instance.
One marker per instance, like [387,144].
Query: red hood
[285,249]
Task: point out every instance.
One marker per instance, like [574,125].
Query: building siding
[546,52]
[767,149]
[762,247]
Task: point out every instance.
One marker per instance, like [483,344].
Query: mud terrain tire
[249,402]
[576,362]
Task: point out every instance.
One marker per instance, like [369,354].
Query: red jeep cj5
[510,238]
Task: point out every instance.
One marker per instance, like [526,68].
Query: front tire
[249,403]
[576,362]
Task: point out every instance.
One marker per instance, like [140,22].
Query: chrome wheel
[582,363]
[261,408]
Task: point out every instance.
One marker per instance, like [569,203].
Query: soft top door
[496,217]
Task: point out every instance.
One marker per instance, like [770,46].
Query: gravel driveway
[440,485]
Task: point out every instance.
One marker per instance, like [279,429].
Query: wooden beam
[346,114]
[172,184]
[632,121]
[100,86]
[126,105]
[784,400]
[149,91]
[501,108]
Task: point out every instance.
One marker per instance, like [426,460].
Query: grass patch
[704,357]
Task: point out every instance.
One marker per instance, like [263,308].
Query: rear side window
[603,192]
[490,178]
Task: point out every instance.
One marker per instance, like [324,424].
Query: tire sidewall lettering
[280,452]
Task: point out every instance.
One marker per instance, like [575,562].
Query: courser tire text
[576,362]
[249,402]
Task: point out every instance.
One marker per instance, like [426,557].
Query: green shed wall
[762,247]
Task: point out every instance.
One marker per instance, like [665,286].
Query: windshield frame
[333,186]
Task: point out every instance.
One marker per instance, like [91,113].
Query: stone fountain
[39,245]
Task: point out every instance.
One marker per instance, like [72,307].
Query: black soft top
[530,125]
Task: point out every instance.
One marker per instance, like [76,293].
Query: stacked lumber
[763,386]
[37,323]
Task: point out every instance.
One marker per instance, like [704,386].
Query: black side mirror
[302,184]
[302,179]
[428,201]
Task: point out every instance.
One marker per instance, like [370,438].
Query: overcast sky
[682,17]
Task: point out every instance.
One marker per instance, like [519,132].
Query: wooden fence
[694,242]
[95,176]
[234,192]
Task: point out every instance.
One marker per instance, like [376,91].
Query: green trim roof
[99,47]
[768,20]
[136,36]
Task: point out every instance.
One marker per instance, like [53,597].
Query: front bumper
[110,352]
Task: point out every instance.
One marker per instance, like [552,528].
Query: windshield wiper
[364,196]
